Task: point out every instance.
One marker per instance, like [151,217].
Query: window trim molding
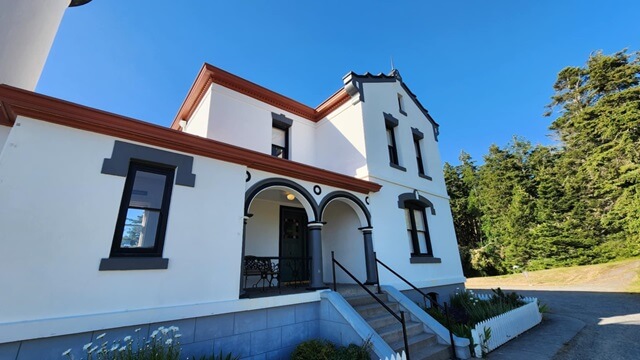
[123,153]
[401,106]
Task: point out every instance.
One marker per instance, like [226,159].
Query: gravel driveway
[606,325]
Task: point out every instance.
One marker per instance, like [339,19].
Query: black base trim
[425,260]
[137,263]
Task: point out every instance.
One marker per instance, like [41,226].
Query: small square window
[401,108]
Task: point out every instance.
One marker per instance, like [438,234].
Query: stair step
[373,310]
[416,342]
[381,321]
[393,333]
[433,352]
[366,299]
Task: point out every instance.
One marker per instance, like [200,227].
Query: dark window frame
[117,251]
[418,136]
[281,122]
[391,123]
[411,207]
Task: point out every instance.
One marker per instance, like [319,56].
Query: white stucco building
[224,223]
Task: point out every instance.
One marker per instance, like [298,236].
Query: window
[391,145]
[416,144]
[390,124]
[401,105]
[280,135]
[280,143]
[415,211]
[144,211]
[418,230]
[417,138]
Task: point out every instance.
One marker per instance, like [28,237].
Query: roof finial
[392,67]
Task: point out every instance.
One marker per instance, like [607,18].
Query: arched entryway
[347,232]
[276,242]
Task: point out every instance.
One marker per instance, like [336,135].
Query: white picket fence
[397,356]
[506,326]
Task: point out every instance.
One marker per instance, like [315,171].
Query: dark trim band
[345,195]
[254,190]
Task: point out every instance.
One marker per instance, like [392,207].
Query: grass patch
[623,275]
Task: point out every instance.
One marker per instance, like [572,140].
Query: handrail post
[404,335]
[375,257]
[453,346]
[333,265]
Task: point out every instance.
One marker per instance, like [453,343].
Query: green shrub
[325,350]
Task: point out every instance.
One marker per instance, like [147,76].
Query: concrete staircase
[423,344]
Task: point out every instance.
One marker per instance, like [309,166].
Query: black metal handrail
[431,299]
[400,318]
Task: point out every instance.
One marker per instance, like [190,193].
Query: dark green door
[293,246]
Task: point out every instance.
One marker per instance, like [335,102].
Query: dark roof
[353,84]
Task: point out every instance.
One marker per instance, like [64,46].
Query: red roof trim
[26,103]
[210,74]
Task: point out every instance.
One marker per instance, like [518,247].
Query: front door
[294,265]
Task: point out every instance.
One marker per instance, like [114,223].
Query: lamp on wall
[290,197]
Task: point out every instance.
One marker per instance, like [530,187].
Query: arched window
[418,229]
[415,211]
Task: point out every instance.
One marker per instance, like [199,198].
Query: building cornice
[210,74]
[17,102]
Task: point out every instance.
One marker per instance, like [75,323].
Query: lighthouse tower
[27,30]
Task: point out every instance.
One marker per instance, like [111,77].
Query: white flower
[168,342]
[127,338]
[164,331]
[174,328]
[114,347]
[87,346]
[93,349]
[122,348]
[66,352]
[101,336]
[177,335]
[137,330]
[154,333]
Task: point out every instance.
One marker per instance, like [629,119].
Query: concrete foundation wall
[270,333]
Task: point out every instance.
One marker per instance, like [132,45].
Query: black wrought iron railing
[400,318]
[268,272]
[432,300]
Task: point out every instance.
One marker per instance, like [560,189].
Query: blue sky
[484,69]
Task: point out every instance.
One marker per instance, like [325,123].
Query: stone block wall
[262,334]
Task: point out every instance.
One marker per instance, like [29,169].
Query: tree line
[573,203]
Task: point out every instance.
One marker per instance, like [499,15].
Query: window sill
[396,166]
[425,260]
[425,176]
[402,112]
[134,263]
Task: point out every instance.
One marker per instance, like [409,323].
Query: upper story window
[415,211]
[418,136]
[144,211]
[401,108]
[280,135]
[391,124]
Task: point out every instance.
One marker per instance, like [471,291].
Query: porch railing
[400,318]
[432,300]
[268,271]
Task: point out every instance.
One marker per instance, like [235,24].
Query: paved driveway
[606,325]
